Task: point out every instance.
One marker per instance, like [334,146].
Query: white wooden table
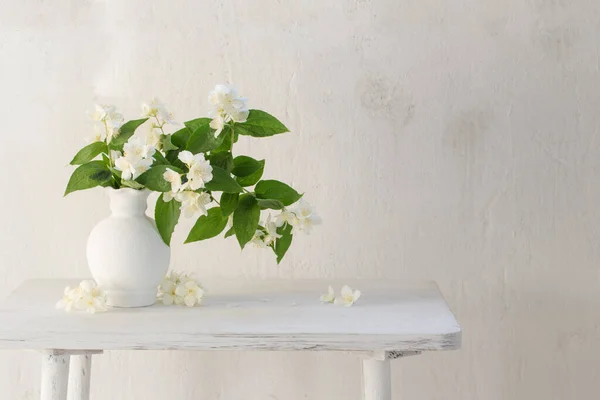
[391,320]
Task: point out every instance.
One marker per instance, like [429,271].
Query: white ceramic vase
[125,253]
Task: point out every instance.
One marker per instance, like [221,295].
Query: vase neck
[128,202]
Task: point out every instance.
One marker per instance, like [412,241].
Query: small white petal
[167,299]
[328,297]
[346,291]
[339,301]
[190,300]
[87,286]
[186,157]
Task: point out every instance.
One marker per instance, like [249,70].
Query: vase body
[125,253]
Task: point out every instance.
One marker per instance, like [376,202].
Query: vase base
[130,299]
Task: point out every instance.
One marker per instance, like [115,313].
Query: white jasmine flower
[141,166]
[91,304]
[112,127]
[186,157]
[109,117]
[225,100]
[88,286]
[286,216]
[302,209]
[240,115]
[199,174]
[306,216]
[190,159]
[200,170]
[122,164]
[271,228]
[86,297]
[166,290]
[136,148]
[179,301]
[218,123]
[102,112]
[193,203]
[174,179]
[136,160]
[258,239]
[153,137]
[348,296]
[328,297]
[157,109]
[225,106]
[168,196]
[131,169]
[180,289]
[99,134]
[306,224]
[70,296]
[190,292]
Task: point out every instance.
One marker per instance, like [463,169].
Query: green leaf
[230,232]
[89,175]
[260,124]
[167,143]
[115,172]
[89,152]
[203,139]
[225,140]
[245,219]
[132,184]
[166,215]
[159,159]
[153,178]
[125,132]
[272,189]
[270,203]
[244,166]
[223,160]
[207,226]
[223,182]
[284,242]
[172,157]
[229,202]
[181,137]
[196,123]
[254,177]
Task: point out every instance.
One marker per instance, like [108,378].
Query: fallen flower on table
[179,289]
[85,297]
[348,296]
[328,297]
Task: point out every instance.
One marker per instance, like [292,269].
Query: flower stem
[215,200]
[159,125]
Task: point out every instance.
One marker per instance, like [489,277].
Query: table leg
[79,377]
[55,373]
[377,383]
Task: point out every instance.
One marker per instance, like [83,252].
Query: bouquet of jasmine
[196,172]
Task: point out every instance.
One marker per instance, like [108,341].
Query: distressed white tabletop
[240,315]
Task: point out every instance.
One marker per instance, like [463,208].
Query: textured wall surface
[446,140]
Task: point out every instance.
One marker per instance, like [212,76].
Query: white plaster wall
[448,140]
